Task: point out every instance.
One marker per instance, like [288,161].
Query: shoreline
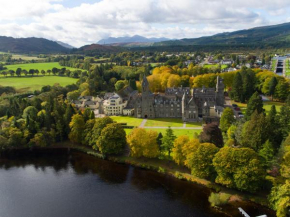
[169,168]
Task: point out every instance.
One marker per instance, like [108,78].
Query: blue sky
[81,22]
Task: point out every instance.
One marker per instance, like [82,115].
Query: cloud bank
[90,22]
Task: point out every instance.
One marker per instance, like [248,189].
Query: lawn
[159,122]
[177,132]
[214,66]
[274,62]
[131,121]
[267,106]
[39,66]
[164,122]
[287,66]
[23,84]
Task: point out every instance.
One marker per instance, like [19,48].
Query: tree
[167,141]
[77,126]
[282,90]
[18,72]
[227,119]
[255,104]
[239,168]
[100,124]
[143,143]
[88,132]
[280,199]
[200,161]
[178,145]
[255,131]
[120,85]
[267,152]
[132,84]
[212,134]
[159,140]
[237,88]
[272,86]
[30,112]
[112,139]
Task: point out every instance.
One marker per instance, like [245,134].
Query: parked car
[235,105]
[237,109]
[240,115]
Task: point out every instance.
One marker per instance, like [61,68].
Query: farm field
[23,84]
[39,66]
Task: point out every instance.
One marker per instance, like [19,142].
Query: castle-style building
[189,104]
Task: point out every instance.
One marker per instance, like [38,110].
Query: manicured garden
[130,121]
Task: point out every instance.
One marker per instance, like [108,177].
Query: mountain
[266,35]
[127,40]
[65,45]
[97,48]
[30,45]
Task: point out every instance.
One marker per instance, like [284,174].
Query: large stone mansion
[188,104]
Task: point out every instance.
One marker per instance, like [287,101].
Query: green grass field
[267,106]
[39,66]
[23,84]
[274,62]
[159,122]
[131,121]
[164,122]
[287,66]
[214,66]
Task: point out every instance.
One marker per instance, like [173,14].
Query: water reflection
[60,183]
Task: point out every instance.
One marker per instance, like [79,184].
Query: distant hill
[137,39]
[65,45]
[30,45]
[267,35]
[97,48]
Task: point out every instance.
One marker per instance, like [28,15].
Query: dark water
[56,183]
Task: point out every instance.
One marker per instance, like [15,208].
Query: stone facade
[190,105]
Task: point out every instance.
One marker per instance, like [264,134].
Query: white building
[114,105]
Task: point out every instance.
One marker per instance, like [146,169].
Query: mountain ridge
[30,45]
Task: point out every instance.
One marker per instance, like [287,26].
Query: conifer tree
[255,104]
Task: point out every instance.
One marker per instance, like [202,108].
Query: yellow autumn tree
[143,143]
[178,155]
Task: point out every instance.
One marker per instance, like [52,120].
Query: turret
[220,88]
[145,84]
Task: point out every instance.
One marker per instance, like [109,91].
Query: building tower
[219,95]
[147,100]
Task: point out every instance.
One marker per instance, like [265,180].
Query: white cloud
[87,23]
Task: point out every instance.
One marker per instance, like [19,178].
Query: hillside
[96,48]
[65,45]
[128,40]
[29,45]
[267,35]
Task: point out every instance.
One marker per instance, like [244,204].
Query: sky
[81,22]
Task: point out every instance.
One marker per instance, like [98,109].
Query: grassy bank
[170,168]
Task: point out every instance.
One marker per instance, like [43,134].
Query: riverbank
[169,168]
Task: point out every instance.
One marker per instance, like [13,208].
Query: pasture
[39,66]
[23,84]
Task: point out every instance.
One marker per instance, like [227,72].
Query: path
[143,123]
